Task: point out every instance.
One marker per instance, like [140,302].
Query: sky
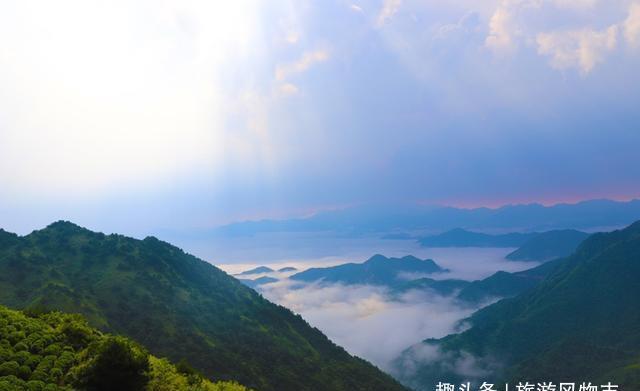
[135,117]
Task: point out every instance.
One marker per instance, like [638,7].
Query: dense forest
[55,352]
[177,306]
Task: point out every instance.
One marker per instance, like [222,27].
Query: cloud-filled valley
[376,322]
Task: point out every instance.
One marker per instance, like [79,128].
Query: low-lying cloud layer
[376,324]
[365,320]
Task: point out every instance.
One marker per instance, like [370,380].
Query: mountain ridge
[591,298]
[178,306]
[377,270]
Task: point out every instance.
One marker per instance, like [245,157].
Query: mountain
[549,245]
[60,352]
[582,322]
[257,270]
[377,270]
[257,282]
[504,284]
[497,286]
[287,269]
[393,218]
[461,238]
[178,306]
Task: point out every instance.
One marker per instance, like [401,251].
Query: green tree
[119,364]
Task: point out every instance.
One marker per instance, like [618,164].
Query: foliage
[178,307]
[56,351]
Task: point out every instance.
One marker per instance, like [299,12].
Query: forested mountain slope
[177,306]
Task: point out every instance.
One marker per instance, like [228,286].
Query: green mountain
[377,270]
[179,307]
[549,245]
[461,238]
[581,323]
[56,352]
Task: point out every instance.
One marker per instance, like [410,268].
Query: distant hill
[582,322]
[406,218]
[503,284]
[377,270]
[60,352]
[258,281]
[462,238]
[549,245]
[177,306]
[287,269]
[257,270]
[497,286]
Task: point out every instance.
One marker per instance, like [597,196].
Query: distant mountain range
[497,286]
[398,220]
[257,270]
[532,246]
[178,306]
[459,237]
[581,322]
[377,270]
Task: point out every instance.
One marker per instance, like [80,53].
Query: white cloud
[579,49]
[389,8]
[502,31]
[287,89]
[301,65]
[365,321]
[356,8]
[632,25]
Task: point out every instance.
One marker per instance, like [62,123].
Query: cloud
[287,89]
[502,31]
[575,4]
[579,49]
[356,8]
[301,65]
[631,25]
[430,355]
[365,321]
[389,8]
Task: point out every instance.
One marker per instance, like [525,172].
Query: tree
[119,364]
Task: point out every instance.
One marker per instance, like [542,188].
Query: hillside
[504,284]
[56,352]
[377,270]
[581,323]
[549,245]
[497,286]
[461,238]
[177,306]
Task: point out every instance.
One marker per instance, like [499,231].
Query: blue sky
[134,117]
